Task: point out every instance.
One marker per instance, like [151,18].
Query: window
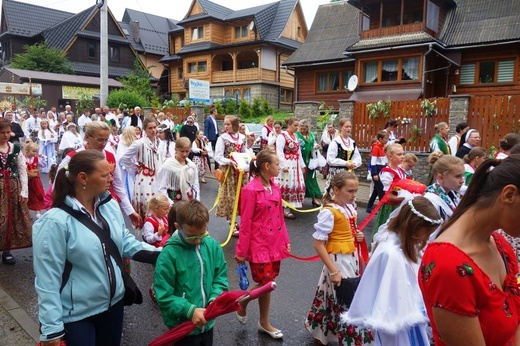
[247,95]
[114,54]
[197,33]
[333,81]
[179,73]
[487,72]
[241,31]
[200,66]
[286,96]
[92,50]
[391,70]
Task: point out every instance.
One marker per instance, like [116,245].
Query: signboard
[74,92]
[13,88]
[199,91]
[36,88]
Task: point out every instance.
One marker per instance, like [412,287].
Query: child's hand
[289,247]
[336,279]
[359,236]
[160,229]
[198,317]
[239,259]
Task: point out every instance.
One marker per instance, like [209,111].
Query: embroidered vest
[341,239]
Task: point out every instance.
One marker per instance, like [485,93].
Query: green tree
[127,97]
[231,107]
[256,107]
[138,81]
[244,109]
[38,57]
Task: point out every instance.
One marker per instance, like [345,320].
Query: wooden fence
[494,117]
[365,129]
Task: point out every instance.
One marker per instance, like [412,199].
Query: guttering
[319,63]
[482,45]
[423,82]
[390,48]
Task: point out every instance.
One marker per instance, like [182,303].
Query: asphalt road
[290,303]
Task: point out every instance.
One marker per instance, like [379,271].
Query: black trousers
[204,339]
[377,192]
[213,146]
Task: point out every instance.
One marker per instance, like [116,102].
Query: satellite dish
[352,83]
[251,25]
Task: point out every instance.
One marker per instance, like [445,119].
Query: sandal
[7,258]
[289,215]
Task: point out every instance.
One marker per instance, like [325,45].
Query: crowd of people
[458,229]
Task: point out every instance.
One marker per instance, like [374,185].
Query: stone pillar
[346,109]
[307,110]
[459,108]
[199,112]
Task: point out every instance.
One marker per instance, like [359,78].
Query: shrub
[124,96]
[265,108]
[256,107]
[231,108]
[244,110]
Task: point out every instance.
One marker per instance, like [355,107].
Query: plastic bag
[209,149]
[317,160]
[243,281]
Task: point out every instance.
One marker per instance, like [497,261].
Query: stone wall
[307,110]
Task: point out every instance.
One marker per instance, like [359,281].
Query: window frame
[341,73]
[197,67]
[112,57]
[91,45]
[200,33]
[477,70]
[399,79]
[243,30]
[286,96]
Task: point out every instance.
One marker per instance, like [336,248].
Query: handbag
[132,293]
[346,290]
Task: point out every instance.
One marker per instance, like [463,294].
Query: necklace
[347,142]
[233,137]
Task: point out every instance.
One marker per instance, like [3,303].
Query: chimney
[135,31]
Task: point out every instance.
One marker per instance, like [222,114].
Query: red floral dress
[451,280]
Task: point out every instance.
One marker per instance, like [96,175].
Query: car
[255,130]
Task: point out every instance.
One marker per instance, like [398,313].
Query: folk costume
[291,182]
[226,144]
[151,227]
[388,177]
[36,192]
[444,202]
[326,139]
[341,150]
[336,225]
[439,144]
[177,181]
[388,299]
[148,163]
[15,223]
[266,132]
[200,156]
[307,145]
[47,139]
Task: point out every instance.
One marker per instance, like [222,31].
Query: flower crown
[422,216]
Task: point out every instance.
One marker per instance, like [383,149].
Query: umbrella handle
[260,291]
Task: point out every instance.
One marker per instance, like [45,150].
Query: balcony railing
[242,75]
[393,30]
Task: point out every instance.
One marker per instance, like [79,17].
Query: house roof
[391,41]
[197,47]
[153,31]
[63,33]
[334,28]
[481,21]
[211,10]
[171,57]
[29,20]
[386,94]
[93,69]
[57,77]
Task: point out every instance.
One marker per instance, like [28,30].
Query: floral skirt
[15,222]
[292,184]
[323,320]
[227,191]
[144,188]
[202,164]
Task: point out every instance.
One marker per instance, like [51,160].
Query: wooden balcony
[393,30]
[243,75]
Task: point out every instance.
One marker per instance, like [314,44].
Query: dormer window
[197,33]
[241,31]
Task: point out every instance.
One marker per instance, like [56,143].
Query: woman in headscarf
[470,140]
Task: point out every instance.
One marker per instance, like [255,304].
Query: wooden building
[409,49]
[239,52]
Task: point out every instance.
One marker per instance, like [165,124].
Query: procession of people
[426,238]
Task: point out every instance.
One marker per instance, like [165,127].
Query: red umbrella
[225,303]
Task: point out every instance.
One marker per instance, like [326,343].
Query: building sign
[36,88]
[13,88]
[199,91]
[74,92]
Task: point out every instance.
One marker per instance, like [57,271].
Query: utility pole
[103,58]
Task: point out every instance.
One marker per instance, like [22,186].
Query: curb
[26,322]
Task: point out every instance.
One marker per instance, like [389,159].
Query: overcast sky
[174,9]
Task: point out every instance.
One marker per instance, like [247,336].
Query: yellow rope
[290,206]
[235,208]
[218,193]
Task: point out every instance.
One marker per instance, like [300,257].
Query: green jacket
[187,277]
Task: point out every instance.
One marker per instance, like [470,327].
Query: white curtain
[370,72]
[334,81]
[411,68]
[390,65]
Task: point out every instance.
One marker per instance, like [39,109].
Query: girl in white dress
[128,136]
[47,139]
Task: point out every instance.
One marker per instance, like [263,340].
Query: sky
[173,9]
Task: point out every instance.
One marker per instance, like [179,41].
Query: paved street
[290,302]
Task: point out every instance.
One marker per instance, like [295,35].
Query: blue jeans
[98,330]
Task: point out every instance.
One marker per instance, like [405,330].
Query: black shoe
[7,258]
[316,204]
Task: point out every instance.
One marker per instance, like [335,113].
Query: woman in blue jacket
[87,307]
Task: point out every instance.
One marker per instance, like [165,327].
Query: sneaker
[368,210]
[7,258]
[236,232]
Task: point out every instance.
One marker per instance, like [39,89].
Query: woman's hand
[239,259]
[359,236]
[286,169]
[289,248]
[23,199]
[336,279]
[136,219]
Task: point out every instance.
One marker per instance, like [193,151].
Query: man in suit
[211,130]
[16,129]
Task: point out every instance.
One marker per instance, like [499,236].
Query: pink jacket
[263,236]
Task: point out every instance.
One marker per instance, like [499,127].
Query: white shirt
[82,121]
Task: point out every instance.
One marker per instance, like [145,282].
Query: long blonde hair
[128,136]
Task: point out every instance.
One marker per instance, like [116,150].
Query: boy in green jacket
[190,272]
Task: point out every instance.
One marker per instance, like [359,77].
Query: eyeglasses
[193,237]
[101,140]
[474,137]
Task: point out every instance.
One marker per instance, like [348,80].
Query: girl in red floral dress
[337,243]
[36,192]
[468,274]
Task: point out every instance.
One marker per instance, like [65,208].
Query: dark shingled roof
[63,33]
[334,28]
[153,31]
[482,21]
[171,57]
[28,20]
[197,47]
[211,10]
[93,69]
[391,41]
